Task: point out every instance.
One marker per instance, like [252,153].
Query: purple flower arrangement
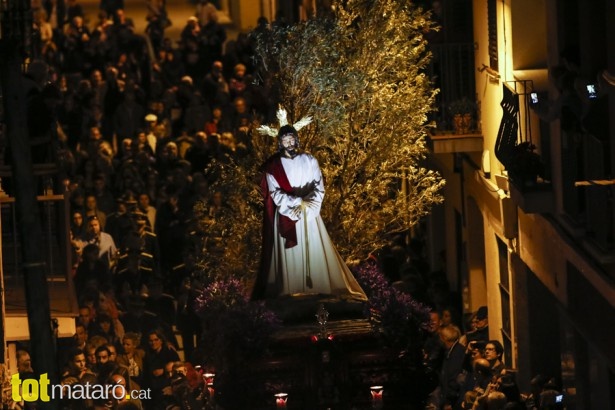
[234,327]
[395,315]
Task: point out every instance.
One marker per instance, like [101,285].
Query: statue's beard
[290,152]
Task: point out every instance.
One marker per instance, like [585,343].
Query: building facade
[529,232]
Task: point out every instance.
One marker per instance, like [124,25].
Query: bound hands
[307,201]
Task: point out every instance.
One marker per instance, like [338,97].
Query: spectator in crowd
[213,36]
[81,336]
[110,7]
[112,352]
[77,372]
[56,12]
[170,68]
[496,400]
[508,386]
[104,367]
[140,321]
[481,327]
[77,226]
[537,384]
[157,21]
[120,378]
[106,246]
[475,350]
[120,222]
[151,135]
[238,83]
[24,363]
[197,114]
[144,205]
[198,154]
[134,270]
[551,398]
[133,355]
[217,124]
[157,357]
[105,201]
[160,303]
[433,355]
[92,273]
[241,120]
[205,12]
[142,240]
[433,348]
[86,316]
[478,379]
[191,48]
[73,9]
[45,31]
[215,86]
[493,353]
[93,212]
[452,367]
[171,225]
[448,317]
[128,118]
[106,329]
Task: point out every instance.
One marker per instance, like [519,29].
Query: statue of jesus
[298,257]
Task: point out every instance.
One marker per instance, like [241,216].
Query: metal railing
[452,70]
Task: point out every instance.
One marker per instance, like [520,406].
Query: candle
[209,383]
[377,392]
[209,378]
[280,400]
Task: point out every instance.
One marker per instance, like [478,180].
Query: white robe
[314,255]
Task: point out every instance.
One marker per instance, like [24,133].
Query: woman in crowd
[132,357]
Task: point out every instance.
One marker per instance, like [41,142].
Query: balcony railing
[452,71]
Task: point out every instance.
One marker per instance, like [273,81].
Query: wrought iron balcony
[457,117]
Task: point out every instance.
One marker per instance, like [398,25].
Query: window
[492,19]
[505,300]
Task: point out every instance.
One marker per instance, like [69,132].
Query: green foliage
[462,106]
[359,73]
[360,76]
[230,247]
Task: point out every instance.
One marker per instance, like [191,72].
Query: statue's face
[289,145]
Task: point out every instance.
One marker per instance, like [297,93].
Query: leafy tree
[358,71]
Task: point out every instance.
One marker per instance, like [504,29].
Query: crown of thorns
[282,121]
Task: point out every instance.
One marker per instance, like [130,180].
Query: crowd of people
[465,367]
[133,119]
[470,372]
